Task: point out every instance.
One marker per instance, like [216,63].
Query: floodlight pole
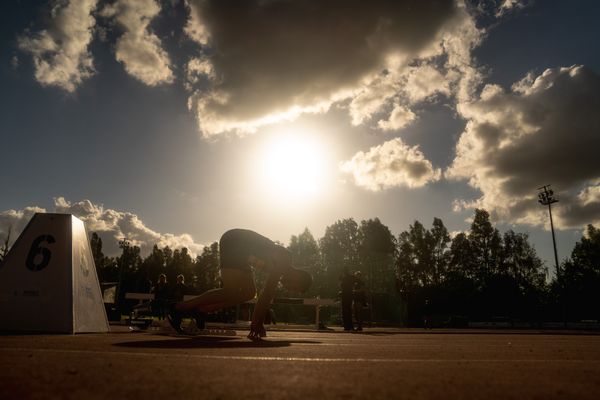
[546,197]
[553,237]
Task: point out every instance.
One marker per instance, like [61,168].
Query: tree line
[480,274]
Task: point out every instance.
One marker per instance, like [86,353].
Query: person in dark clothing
[240,251]
[178,293]
[180,289]
[161,296]
[359,297]
[347,286]
[427,323]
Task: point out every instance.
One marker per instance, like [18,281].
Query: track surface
[390,364]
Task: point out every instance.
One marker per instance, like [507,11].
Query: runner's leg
[238,287]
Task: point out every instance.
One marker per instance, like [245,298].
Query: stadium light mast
[546,198]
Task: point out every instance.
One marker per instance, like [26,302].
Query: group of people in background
[164,294]
[354,300]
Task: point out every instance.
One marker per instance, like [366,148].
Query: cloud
[402,87]
[60,52]
[509,5]
[119,224]
[372,99]
[139,49]
[391,164]
[15,221]
[543,131]
[408,85]
[194,28]
[460,38]
[111,226]
[263,62]
[196,70]
[398,119]
[425,81]
[14,62]
[274,60]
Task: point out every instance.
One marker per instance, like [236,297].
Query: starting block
[192,330]
[48,280]
[164,328]
[189,329]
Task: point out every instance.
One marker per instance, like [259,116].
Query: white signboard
[48,280]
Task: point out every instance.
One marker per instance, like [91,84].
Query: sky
[171,121]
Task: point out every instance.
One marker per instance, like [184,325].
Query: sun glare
[292,167]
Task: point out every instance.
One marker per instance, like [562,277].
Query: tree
[422,265]
[180,263]
[581,277]
[485,244]
[520,261]
[128,264]
[207,268]
[461,262]
[376,250]
[586,253]
[99,258]
[440,239]
[130,259]
[481,273]
[306,254]
[168,255]
[508,274]
[5,244]
[339,249]
[106,267]
[415,257]
[154,264]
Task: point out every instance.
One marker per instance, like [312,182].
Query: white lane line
[299,359]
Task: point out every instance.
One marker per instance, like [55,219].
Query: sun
[292,167]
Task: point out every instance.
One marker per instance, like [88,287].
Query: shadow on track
[213,342]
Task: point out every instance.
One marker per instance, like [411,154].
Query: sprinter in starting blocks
[240,251]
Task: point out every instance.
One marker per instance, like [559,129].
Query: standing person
[359,296]
[180,289]
[240,251]
[161,296]
[346,286]
[427,314]
[177,294]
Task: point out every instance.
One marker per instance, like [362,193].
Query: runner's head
[296,280]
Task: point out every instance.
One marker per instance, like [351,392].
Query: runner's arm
[257,329]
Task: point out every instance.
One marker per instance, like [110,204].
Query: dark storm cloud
[278,57]
[545,131]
